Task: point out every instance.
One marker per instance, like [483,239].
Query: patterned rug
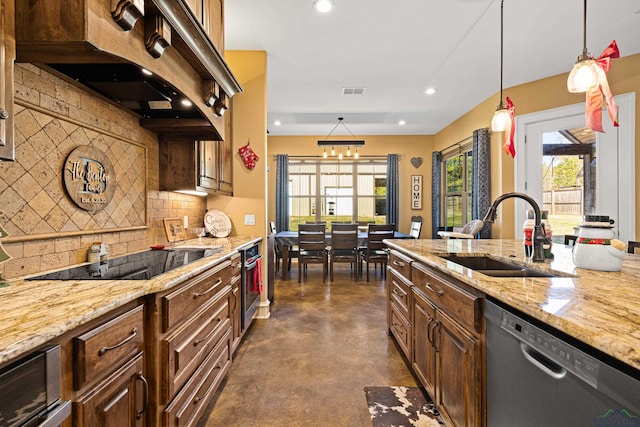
[400,407]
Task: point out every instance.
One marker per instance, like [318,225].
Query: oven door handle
[57,415]
[251,263]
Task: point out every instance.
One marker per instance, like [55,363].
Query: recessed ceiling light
[186,103]
[147,72]
[323,6]
[431,90]
[402,122]
[277,123]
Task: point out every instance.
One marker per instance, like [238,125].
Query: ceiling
[396,50]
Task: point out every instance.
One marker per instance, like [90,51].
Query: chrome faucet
[539,237]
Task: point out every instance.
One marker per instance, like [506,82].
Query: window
[457,170]
[332,191]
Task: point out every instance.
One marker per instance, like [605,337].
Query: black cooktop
[138,266]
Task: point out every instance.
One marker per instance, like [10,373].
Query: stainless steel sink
[495,268]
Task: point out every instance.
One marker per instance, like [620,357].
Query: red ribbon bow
[510,148]
[593,111]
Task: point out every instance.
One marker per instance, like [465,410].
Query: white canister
[593,249]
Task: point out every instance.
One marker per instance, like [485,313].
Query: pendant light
[584,75]
[355,143]
[502,116]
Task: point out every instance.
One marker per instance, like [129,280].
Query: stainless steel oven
[251,282]
[30,391]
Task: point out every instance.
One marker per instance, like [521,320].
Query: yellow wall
[406,146]
[624,77]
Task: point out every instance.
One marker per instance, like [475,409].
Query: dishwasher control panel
[575,361]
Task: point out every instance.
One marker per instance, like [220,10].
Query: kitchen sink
[495,268]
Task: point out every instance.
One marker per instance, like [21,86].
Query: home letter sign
[416,192]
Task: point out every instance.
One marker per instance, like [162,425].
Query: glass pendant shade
[583,76]
[356,155]
[500,119]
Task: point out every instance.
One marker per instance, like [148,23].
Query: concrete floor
[308,364]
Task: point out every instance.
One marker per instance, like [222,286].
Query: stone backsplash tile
[53,117]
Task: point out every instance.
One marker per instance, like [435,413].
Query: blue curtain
[481,180]
[436,188]
[392,190]
[282,192]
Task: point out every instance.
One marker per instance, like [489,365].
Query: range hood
[151,57]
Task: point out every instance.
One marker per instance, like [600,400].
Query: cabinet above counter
[147,56]
[593,307]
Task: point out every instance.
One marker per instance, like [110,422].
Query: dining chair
[631,246]
[312,249]
[570,239]
[414,231]
[344,247]
[293,252]
[376,251]
[468,231]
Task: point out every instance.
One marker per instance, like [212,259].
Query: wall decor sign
[89,178]
[416,191]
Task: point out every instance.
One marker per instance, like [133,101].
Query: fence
[566,201]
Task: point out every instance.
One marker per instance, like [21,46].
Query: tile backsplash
[47,230]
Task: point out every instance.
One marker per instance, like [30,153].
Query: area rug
[400,407]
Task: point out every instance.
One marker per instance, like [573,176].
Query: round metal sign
[89,178]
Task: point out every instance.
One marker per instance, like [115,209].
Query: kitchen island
[595,307]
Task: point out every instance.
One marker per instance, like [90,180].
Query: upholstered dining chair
[414,231]
[344,247]
[376,251]
[312,249]
[468,231]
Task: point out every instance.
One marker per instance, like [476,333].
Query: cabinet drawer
[184,350]
[101,350]
[401,263]
[193,399]
[178,305]
[401,329]
[459,303]
[400,292]
[236,265]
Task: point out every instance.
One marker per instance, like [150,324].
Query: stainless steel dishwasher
[536,378]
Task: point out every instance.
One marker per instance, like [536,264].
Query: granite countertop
[35,312]
[596,307]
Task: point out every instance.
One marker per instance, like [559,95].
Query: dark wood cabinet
[210,15]
[203,166]
[119,401]
[110,387]
[448,341]
[7,59]
[424,352]
[235,302]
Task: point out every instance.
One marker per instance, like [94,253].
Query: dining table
[287,239]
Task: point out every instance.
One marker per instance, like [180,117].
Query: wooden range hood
[106,44]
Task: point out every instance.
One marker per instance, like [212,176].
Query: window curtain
[282,192]
[392,190]
[481,180]
[480,183]
[436,189]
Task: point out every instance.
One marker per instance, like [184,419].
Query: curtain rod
[459,144]
[344,159]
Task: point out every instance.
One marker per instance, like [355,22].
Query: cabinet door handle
[398,264]
[3,114]
[439,292]
[103,350]
[429,331]
[145,395]
[215,285]
[196,342]
[235,300]
[436,325]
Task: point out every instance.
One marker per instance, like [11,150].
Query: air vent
[353,90]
